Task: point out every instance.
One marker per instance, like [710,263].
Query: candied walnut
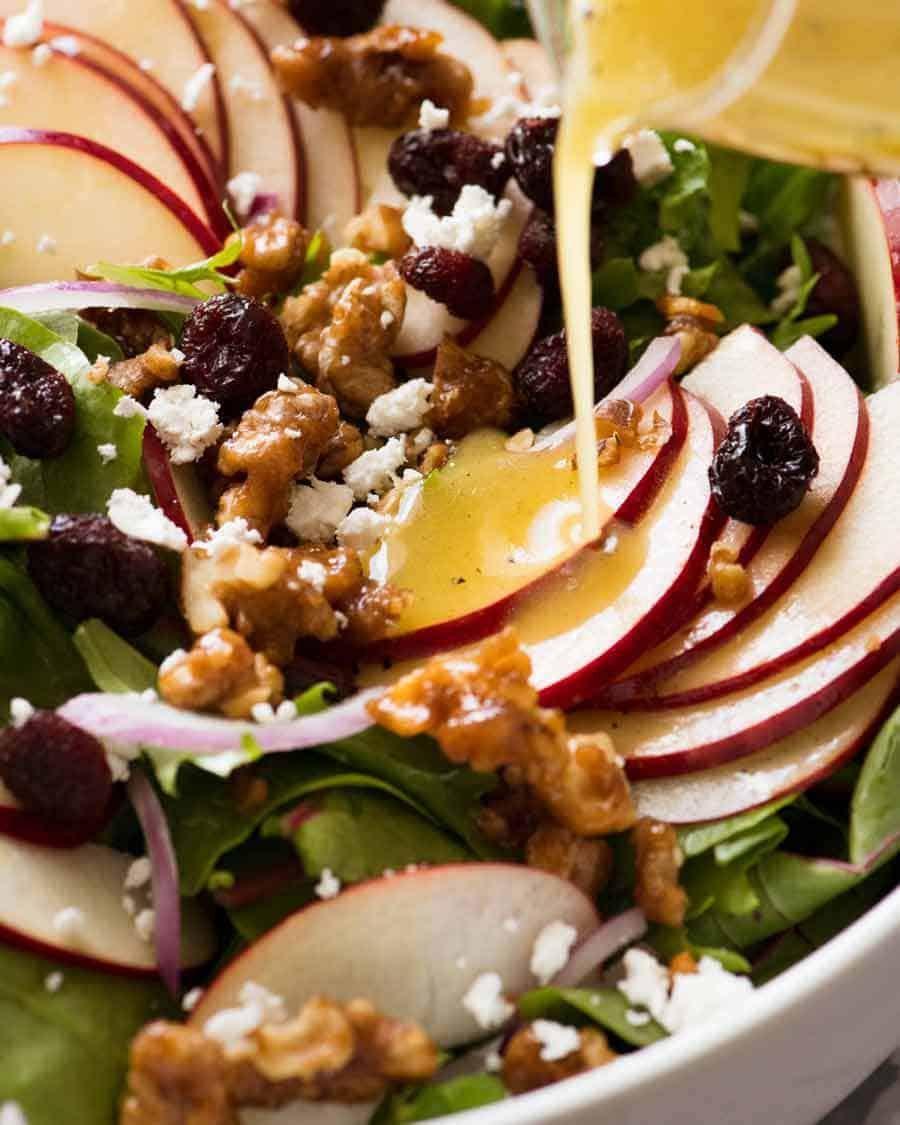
[657,862]
[343,326]
[280,437]
[273,254]
[729,580]
[586,863]
[684,962]
[134,330]
[221,673]
[379,230]
[511,813]
[434,457]
[372,612]
[524,1069]
[343,449]
[137,377]
[378,78]
[469,392]
[480,707]
[694,323]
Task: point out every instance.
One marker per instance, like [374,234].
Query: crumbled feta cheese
[256,1006]
[402,409]
[376,469]
[362,529]
[149,695]
[174,657]
[498,158]
[9,493]
[41,54]
[11,1113]
[288,385]
[241,85]
[66,45]
[119,765]
[191,999]
[223,539]
[135,515]
[145,924]
[646,983]
[432,117]
[313,573]
[473,226]
[493,1062]
[53,981]
[243,189]
[486,1002]
[650,158]
[552,949]
[7,238]
[127,407]
[317,508]
[138,873]
[668,255]
[24,29]
[789,283]
[187,423]
[195,86]
[684,145]
[329,885]
[680,1000]
[557,1040]
[108,451]
[46,244]
[637,1019]
[20,711]
[68,924]
[177,356]
[508,105]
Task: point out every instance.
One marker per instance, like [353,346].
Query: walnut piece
[480,707]
[379,230]
[280,437]
[729,580]
[220,673]
[658,860]
[469,392]
[137,377]
[586,863]
[377,78]
[343,449]
[329,1052]
[694,323]
[134,330]
[343,326]
[524,1069]
[273,254]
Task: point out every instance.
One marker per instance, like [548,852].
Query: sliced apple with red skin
[528,58]
[331,193]
[775,557]
[176,488]
[510,332]
[72,93]
[36,883]
[788,766]
[399,942]
[870,214]
[264,137]
[93,204]
[157,32]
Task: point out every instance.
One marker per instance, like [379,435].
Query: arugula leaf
[729,173]
[699,838]
[669,941]
[875,808]
[63,1055]
[114,665]
[95,343]
[23,523]
[618,283]
[62,322]
[420,1103]
[605,1007]
[684,195]
[786,199]
[184,280]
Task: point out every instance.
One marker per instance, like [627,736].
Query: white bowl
[796,1048]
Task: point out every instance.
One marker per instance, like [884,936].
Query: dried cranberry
[542,378]
[834,293]
[86,568]
[462,283]
[614,184]
[439,162]
[37,406]
[537,248]
[234,350]
[764,464]
[336,17]
[56,770]
[529,150]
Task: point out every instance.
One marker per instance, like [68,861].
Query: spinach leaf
[113,664]
[699,838]
[605,1007]
[729,173]
[875,808]
[95,343]
[420,1103]
[684,195]
[18,523]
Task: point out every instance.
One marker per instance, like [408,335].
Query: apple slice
[412,943]
[70,202]
[263,134]
[331,193]
[510,332]
[870,214]
[176,488]
[72,93]
[157,34]
[529,59]
[37,883]
[795,763]
[775,557]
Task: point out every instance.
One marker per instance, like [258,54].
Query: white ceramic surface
[798,1046]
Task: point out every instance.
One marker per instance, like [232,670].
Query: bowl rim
[841,954]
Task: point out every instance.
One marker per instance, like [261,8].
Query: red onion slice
[164,876]
[141,722]
[55,295]
[600,946]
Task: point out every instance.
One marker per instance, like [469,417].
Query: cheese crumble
[243,189]
[329,885]
[362,529]
[187,423]
[650,158]
[473,227]
[400,410]
[317,508]
[25,28]
[432,116]
[552,949]
[486,1003]
[135,515]
[195,86]
[376,469]
[557,1040]
[667,255]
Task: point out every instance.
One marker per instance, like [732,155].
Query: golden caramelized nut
[221,672]
[618,418]
[156,367]
[729,580]
[343,449]
[273,255]
[556,849]
[434,457]
[524,1069]
[658,860]
[379,230]
[470,392]
[695,324]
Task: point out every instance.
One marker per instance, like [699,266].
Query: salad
[337,774]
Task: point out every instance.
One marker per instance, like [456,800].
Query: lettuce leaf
[20,523]
[604,1007]
[114,665]
[420,1103]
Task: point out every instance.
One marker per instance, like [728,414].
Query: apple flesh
[176,488]
[788,766]
[92,203]
[36,883]
[412,943]
[528,58]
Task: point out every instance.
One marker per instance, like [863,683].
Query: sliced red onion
[164,875]
[263,202]
[600,946]
[54,295]
[141,722]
